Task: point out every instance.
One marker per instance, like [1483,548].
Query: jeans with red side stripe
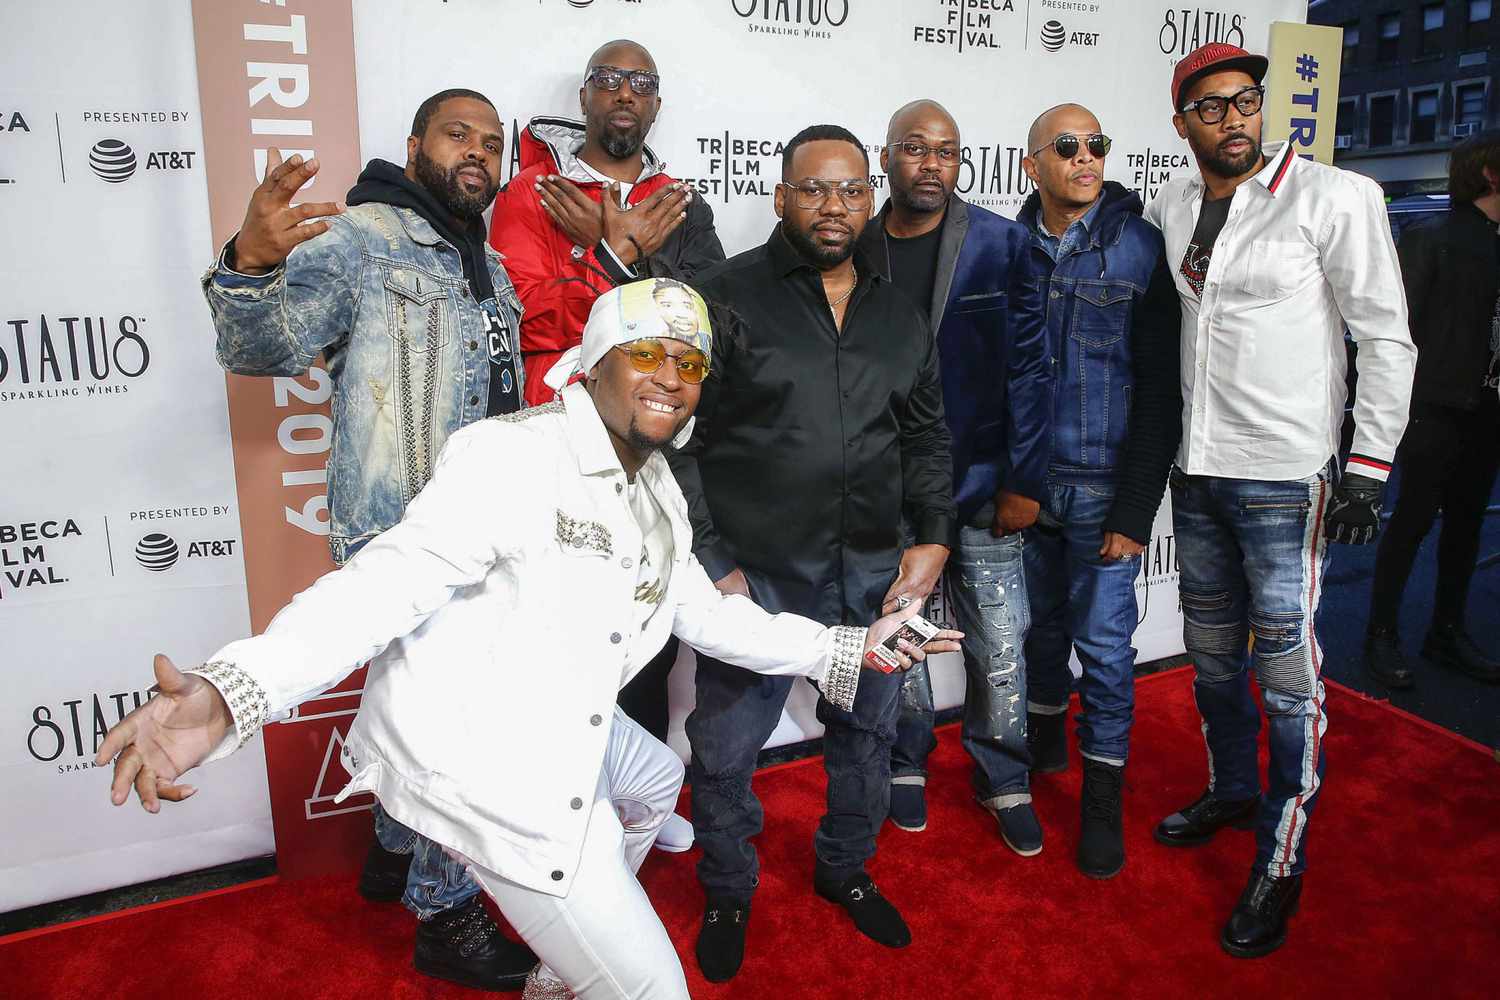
[1251,556]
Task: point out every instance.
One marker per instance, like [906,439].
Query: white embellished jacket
[498,614]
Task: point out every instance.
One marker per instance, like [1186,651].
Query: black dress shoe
[1258,924]
[1197,823]
[1101,840]
[383,878]
[1450,646]
[1047,740]
[873,914]
[463,945]
[1384,660]
[721,939]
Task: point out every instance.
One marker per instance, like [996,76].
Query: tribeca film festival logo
[11,123]
[25,561]
[77,726]
[1183,29]
[738,167]
[58,357]
[1149,171]
[792,18]
[966,24]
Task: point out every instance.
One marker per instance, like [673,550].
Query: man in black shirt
[820,425]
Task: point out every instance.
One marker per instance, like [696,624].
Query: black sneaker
[383,878]
[1101,841]
[908,807]
[1450,646]
[873,914]
[1196,824]
[1383,658]
[1047,739]
[463,945]
[1019,828]
[721,939]
[1258,924]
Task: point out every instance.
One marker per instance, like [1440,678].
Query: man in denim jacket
[1095,360]
[416,321]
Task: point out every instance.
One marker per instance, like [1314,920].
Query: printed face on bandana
[677,308]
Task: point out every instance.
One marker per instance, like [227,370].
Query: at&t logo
[159,552]
[1055,36]
[114,162]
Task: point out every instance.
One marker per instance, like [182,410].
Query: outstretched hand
[273,226]
[169,735]
[946,641]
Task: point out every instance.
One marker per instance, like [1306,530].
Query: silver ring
[902,601]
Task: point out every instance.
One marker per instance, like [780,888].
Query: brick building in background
[1417,76]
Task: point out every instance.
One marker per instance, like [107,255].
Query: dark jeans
[436,880]
[1448,462]
[736,712]
[1252,557]
[987,594]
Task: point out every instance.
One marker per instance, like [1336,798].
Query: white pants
[604,939]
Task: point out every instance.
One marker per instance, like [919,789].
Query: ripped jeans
[987,592]
[1252,556]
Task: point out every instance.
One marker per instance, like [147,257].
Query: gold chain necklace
[833,304]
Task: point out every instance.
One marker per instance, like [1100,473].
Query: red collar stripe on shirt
[1286,161]
[1367,462]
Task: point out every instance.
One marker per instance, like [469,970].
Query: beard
[1213,157]
[819,256]
[920,199]
[449,190]
[621,143]
[642,443]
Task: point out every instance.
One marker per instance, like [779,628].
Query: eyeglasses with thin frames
[648,354]
[856,193]
[948,156]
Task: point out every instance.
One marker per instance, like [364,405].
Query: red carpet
[1402,897]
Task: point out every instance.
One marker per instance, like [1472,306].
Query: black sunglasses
[1066,145]
[610,78]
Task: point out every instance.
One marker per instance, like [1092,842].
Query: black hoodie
[383,182]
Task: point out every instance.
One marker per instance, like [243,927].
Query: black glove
[1354,512]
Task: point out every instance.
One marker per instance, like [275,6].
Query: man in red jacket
[564,242]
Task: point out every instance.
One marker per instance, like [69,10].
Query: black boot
[1101,843]
[721,939]
[1449,645]
[383,878]
[1258,924]
[1047,739]
[1383,658]
[1196,824]
[873,914]
[463,945]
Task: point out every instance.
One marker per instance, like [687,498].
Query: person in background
[1273,257]
[1451,451]
[1096,325]
[416,321]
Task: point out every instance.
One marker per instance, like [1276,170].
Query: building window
[1424,116]
[1479,22]
[1351,44]
[1432,29]
[1343,128]
[1468,104]
[1383,120]
[1479,10]
[1388,46]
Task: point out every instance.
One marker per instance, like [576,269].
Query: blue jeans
[735,713]
[987,592]
[436,881]
[1080,601]
[1252,556]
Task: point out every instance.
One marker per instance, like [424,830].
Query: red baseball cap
[1215,57]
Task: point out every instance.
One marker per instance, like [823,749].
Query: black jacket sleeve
[927,456]
[1417,257]
[693,248]
[1155,427]
[712,550]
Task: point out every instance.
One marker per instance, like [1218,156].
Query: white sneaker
[676,835]
[543,984]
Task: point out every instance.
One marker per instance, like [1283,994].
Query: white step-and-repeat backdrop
[119,523]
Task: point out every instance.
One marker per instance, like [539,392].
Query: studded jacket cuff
[841,679]
[249,706]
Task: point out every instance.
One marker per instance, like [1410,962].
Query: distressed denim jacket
[384,299]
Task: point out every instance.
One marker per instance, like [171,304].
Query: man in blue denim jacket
[416,321]
[956,261]
[1095,358]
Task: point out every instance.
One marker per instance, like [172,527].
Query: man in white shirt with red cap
[539,612]
[1274,256]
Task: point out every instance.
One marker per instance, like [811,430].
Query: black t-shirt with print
[1200,248]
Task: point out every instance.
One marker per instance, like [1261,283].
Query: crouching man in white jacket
[544,564]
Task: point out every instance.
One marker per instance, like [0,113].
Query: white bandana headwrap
[656,307]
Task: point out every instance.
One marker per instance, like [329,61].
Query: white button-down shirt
[501,618]
[1305,252]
